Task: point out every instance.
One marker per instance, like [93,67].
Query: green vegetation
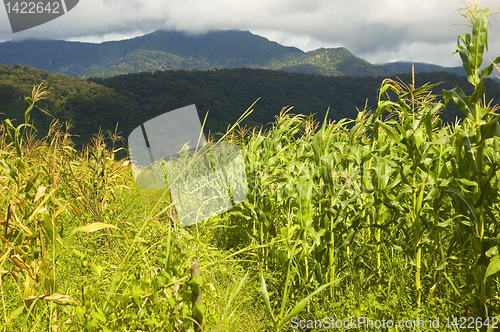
[385,217]
[88,106]
[226,93]
[328,62]
[144,61]
[129,100]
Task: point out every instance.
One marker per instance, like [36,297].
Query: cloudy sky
[376,30]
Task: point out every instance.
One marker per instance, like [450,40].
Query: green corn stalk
[414,131]
[480,125]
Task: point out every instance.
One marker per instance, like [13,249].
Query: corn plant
[345,201]
[416,141]
[476,169]
[30,234]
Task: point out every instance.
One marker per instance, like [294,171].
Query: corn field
[394,215]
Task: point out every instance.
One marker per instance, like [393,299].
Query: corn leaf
[479,91]
[479,38]
[493,267]
[54,297]
[460,99]
[301,305]
[263,290]
[88,229]
[391,132]
[489,69]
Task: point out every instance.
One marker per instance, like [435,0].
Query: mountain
[216,49]
[143,60]
[420,67]
[228,48]
[171,50]
[328,62]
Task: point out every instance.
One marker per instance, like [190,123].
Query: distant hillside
[420,67]
[144,61]
[88,105]
[328,62]
[226,93]
[221,49]
[170,50]
[217,49]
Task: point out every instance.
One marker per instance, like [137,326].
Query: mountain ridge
[172,50]
[215,49]
[405,67]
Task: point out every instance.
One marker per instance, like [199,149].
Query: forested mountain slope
[170,50]
[134,98]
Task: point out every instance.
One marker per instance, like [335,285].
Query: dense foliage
[326,62]
[89,106]
[129,100]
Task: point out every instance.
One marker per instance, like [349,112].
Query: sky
[378,31]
